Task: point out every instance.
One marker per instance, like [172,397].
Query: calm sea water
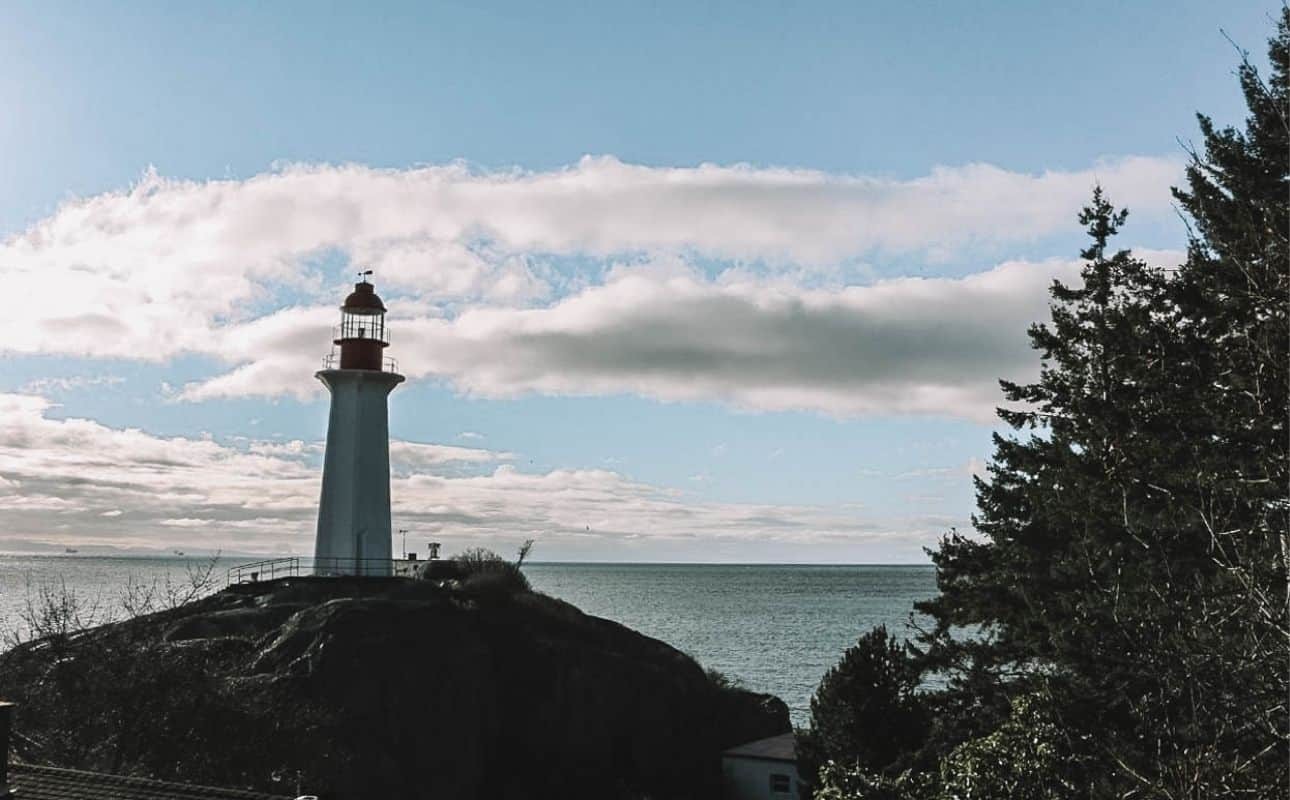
[774,628]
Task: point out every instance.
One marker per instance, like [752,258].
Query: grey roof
[54,783]
[775,748]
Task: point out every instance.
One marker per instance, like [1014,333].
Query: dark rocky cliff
[384,689]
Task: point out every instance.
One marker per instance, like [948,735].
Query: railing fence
[292,566]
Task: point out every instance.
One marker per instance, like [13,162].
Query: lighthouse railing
[388,363]
[325,566]
[268,570]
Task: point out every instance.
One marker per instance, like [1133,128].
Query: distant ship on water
[179,552]
[71,551]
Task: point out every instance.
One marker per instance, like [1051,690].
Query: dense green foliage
[1025,758]
[865,711]
[1130,577]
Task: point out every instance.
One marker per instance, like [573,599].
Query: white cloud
[125,488]
[159,268]
[404,455]
[294,449]
[226,269]
[414,456]
[916,346]
[935,346]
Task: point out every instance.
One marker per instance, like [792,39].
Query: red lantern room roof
[363,300]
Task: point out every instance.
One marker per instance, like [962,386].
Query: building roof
[775,748]
[54,783]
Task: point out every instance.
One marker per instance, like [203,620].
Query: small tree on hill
[866,711]
[485,573]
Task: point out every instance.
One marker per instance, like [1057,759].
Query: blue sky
[690,282]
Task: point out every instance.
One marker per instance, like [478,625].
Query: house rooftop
[774,748]
[30,782]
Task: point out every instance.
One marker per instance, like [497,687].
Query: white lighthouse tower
[354,511]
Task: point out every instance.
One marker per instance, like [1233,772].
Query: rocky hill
[376,688]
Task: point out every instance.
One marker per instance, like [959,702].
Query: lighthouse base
[354,509]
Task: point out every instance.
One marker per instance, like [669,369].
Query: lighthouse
[354,510]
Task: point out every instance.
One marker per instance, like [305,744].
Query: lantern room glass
[362,326]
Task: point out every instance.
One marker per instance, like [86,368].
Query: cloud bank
[76,481]
[906,346]
[243,271]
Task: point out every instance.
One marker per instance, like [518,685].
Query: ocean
[772,628]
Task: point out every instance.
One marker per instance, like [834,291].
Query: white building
[762,770]
[354,510]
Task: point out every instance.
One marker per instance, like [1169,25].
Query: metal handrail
[269,569]
[388,363]
[289,567]
[339,565]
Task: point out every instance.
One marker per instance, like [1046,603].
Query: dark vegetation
[467,687]
[1120,627]
[484,572]
[866,707]
[52,612]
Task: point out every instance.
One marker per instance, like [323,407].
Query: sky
[691,282]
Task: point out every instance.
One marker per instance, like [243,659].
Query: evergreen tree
[1232,305]
[1134,560]
[865,712]
[1063,578]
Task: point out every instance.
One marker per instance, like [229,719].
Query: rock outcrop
[370,688]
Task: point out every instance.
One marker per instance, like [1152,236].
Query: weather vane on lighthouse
[354,510]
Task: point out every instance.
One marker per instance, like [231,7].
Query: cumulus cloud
[76,481]
[903,346]
[404,455]
[230,269]
[418,456]
[154,270]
